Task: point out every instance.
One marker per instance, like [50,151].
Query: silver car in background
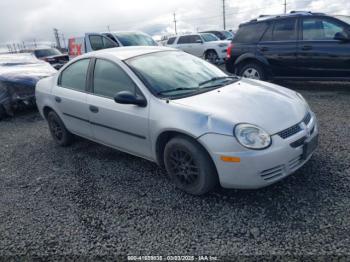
[185,114]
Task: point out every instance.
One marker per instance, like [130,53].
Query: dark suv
[299,45]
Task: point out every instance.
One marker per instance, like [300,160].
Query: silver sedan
[205,127]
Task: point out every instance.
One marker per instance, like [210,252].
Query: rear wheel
[58,131]
[212,57]
[189,166]
[253,71]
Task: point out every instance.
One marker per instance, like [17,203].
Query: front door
[319,53]
[122,126]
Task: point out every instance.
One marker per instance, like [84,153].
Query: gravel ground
[90,200]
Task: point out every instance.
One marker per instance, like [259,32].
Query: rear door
[279,46]
[319,53]
[70,97]
[94,42]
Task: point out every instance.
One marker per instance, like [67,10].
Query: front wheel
[58,131]
[189,166]
[253,71]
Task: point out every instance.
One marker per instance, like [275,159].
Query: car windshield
[134,39]
[209,37]
[174,73]
[228,35]
[344,18]
[46,52]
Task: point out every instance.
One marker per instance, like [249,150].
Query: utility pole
[175,23]
[35,43]
[108,28]
[224,13]
[57,37]
[285,6]
[64,41]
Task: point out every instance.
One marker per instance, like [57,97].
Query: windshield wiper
[217,78]
[177,89]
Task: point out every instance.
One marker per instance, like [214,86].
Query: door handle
[93,109]
[58,99]
[264,49]
[306,47]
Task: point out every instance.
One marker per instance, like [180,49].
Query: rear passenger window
[250,33]
[99,42]
[109,79]
[107,43]
[189,39]
[171,40]
[96,42]
[74,76]
[285,30]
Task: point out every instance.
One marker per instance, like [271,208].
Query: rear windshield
[133,39]
[46,52]
[250,33]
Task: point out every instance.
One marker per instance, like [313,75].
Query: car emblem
[304,127]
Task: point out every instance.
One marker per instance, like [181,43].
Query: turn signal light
[230,159]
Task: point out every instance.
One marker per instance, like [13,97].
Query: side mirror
[128,98]
[198,41]
[340,36]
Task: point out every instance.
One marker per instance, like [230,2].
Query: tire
[58,131]
[211,56]
[253,71]
[190,166]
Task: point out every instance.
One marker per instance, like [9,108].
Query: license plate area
[309,147]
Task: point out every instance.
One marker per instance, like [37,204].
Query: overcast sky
[25,20]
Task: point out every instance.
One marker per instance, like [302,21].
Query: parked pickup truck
[96,41]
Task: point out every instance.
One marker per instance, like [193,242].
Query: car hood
[272,107]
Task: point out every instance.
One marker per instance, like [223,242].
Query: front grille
[272,173]
[290,131]
[307,118]
[296,128]
[299,142]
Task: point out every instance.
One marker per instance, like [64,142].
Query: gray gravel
[90,200]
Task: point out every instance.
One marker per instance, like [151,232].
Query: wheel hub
[183,167]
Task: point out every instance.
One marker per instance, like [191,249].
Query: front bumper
[257,168]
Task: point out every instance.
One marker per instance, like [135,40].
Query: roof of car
[291,14]
[124,53]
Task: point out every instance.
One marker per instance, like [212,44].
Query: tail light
[229,51]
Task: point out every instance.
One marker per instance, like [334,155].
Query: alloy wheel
[251,73]
[183,167]
[212,57]
[56,129]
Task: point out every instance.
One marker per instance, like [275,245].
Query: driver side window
[110,79]
[321,29]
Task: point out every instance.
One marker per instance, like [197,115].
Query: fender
[246,56]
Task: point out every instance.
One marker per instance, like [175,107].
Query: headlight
[252,137]
[223,45]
